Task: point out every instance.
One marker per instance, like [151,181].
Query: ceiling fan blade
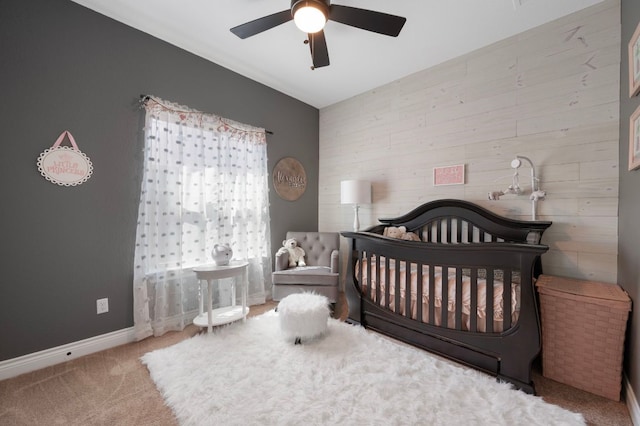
[262,24]
[319,50]
[369,20]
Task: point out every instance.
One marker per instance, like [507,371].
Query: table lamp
[355,192]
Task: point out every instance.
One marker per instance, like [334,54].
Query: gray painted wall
[629,203]
[65,67]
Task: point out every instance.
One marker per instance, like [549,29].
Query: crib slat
[489,302]
[439,231]
[387,275]
[458,298]
[360,259]
[369,276]
[419,292]
[458,230]
[445,297]
[407,290]
[448,235]
[378,281]
[473,310]
[432,294]
[397,286]
[506,300]
[469,232]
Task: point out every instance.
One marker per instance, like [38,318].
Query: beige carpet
[113,388]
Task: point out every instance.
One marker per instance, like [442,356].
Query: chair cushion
[309,275]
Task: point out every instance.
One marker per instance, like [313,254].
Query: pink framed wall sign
[634,140]
[634,63]
[448,175]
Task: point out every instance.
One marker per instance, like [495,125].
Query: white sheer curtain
[204,182]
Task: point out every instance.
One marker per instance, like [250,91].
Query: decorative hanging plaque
[64,165]
[289,179]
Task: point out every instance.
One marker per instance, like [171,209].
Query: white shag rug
[248,374]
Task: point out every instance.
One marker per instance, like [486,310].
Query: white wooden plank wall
[550,94]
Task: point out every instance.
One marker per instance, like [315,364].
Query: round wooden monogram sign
[289,179]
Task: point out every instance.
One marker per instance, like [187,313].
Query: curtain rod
[146,98]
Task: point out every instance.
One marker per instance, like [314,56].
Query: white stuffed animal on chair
[296,253]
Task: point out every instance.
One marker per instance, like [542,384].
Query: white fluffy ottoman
[303,316]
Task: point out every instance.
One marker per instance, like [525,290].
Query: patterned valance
[180,114]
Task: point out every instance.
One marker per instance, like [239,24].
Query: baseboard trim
[632,402]
[48,357]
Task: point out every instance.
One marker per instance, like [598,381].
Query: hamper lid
[595,292]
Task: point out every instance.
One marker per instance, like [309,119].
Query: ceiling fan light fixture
[310,16]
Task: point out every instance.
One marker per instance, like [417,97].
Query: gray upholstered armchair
[320,275]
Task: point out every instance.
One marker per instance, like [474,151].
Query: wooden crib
[464,291]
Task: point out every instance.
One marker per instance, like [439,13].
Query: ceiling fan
[310,16]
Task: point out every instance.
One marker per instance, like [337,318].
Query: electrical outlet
[102,305]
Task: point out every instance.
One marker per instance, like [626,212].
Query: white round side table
[227,314]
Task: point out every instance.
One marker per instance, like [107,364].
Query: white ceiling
[436,31]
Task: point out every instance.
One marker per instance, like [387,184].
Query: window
[204,182]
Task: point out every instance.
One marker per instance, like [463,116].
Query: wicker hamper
[583,330]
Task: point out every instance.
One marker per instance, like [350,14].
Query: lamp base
[356,220]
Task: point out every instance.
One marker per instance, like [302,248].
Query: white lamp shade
[355,192]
